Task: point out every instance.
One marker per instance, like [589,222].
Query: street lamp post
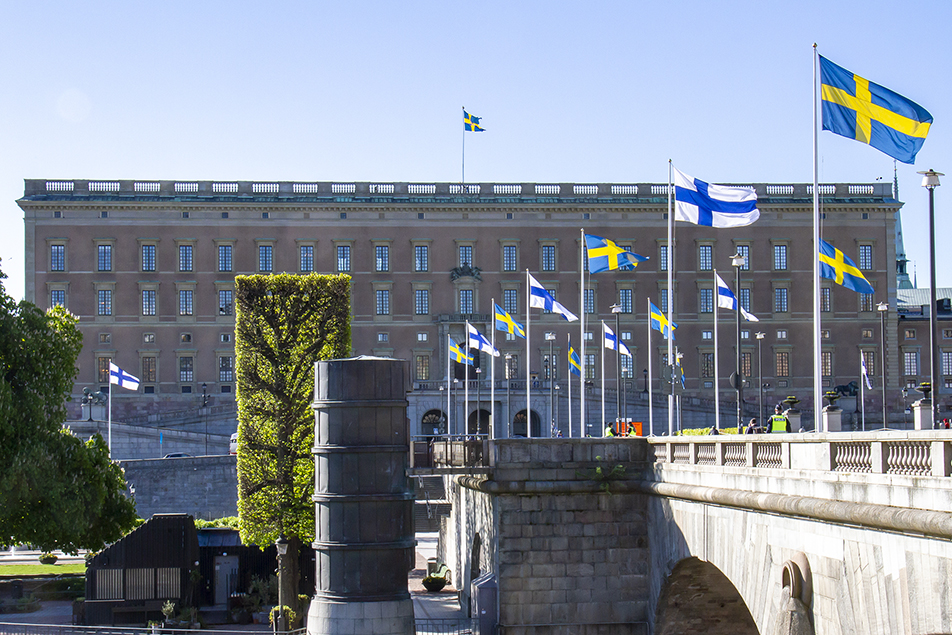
[204,414]
[479,418]
[557,388]
[454,397]
[760,375]
[281,545]
[930,181]
[882,307]
[508,394]
[738,261]
[616,309]
[441,430]
[550,337]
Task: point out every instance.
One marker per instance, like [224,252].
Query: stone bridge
[800,533]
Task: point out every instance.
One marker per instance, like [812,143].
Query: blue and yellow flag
[605,255]
[458,355]
[836,266]
[659,322]
[575,363]
[471,123]
[504,322]
[857,108]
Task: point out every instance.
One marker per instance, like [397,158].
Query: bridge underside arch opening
[698,598]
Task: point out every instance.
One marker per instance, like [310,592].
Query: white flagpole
[862,388]
[109,418]
[492,382]
[463,163]
[670,299]
[604,420]
[717,376]
[581,345]
[817,390]
[528,356]
[449,411]
[650,377]
[466,351]
[568,356]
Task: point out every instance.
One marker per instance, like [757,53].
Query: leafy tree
[284,324]
[56,492]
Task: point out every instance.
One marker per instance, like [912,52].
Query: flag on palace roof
[505,322]
[659,322]
[836,266]
[605,255]
[121,378]
[611,341]
[458,355]
[727,300]
[713,205]
[539,298]
[471,123]
[864,111]
[478,341]
[575,363]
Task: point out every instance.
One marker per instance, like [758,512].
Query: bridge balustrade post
[878,455]
[719,454]
[941,458]
[692,453]
[785,456]
[749,449]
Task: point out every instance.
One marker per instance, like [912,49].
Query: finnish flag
[700,203]
[121,378]
[727,300]
[612,343]
[478,341]
[539,298]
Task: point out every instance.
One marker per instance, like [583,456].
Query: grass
[18,570]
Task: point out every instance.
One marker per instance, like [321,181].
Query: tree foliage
[56,492]
[284,324]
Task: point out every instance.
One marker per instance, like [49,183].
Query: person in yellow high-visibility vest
[778,421]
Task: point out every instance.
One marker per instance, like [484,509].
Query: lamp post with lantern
[738,261]
[930,181]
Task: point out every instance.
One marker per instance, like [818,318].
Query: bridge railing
[919,453]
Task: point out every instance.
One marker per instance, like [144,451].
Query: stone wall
[205,487]
[143,442]
[570,557]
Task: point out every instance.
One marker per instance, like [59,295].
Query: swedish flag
[457,355]
[605,255]
[659,322]
[504,322]
[836,266]
[857,108]
[471,123]
[575,363]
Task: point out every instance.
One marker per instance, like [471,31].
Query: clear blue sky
[568,92]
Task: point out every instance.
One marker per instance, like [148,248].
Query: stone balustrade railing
[919,453]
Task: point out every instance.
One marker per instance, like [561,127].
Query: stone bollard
[363,503]
[794,416]
[832,420]
[922,414]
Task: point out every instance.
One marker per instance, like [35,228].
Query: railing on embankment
[919,453]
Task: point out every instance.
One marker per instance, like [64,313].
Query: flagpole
[463,162]
[109,418]
[717,377]
[817,390]
[492,382]
[670,306]
[862,387]
[449,419]
[581,345]
[603,374]
[568,353]
[466,388]
[650,378]
[528,356]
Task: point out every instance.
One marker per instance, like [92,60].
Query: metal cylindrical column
[362,498]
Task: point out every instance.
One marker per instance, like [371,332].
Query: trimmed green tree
[283,325]
[56,492]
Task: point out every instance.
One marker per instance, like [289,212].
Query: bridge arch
[698,597]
